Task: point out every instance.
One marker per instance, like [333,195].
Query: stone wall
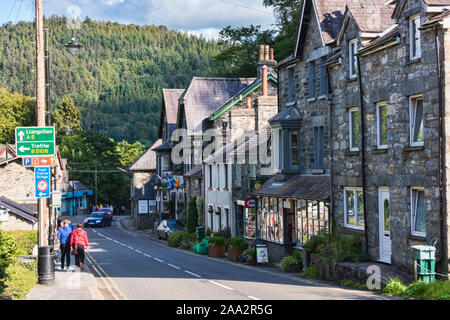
[17,182]
[17,223]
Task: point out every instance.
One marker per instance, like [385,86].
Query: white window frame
[352,44]
[412,40]
[350,127]
[412,122]
[378,108]
[413,213]
[352,226]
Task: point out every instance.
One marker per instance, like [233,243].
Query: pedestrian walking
[64,235]
[78,242]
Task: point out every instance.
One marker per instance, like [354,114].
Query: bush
[175,238]
[352,283]
[216,241]
[225,232]
[22,277]
[208,232]
[295,259]
[250,254]
[25,239]
[235,242]
[199,203]
[192,216]
[310,273]
[395,287]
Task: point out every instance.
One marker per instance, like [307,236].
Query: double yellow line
[109,283]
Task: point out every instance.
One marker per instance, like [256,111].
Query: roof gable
[147,161]
[170,108]
[18,209]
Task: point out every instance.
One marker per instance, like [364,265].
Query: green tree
[192,218]
[66,117]
[15,110]
[129,153]
[240,50]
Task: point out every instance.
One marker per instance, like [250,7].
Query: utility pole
[96,182]
[40,109]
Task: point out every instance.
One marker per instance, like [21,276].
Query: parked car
[108,211]
[97,219]
[166,227]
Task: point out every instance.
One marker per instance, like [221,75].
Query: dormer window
[353,62]
[414,38]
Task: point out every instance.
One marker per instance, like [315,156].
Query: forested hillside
[117,77]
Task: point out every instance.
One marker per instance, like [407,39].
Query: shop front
[289,212]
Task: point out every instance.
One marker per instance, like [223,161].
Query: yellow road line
[107,277]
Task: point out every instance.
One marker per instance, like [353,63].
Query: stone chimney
[266,58]
[265,108]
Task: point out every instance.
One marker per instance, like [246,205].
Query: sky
[205,17]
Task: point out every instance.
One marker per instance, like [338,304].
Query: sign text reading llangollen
[35,141]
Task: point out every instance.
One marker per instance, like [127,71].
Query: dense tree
[117,77]
[15,110]
[66,117]
[128,153]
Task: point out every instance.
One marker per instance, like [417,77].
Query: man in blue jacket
[64,234]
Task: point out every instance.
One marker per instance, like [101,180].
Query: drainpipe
[441,176]
[363,159]
[330,154]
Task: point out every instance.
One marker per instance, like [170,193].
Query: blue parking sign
[42,182]
[27,161]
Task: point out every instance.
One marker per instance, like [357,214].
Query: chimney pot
[271,55]
[266,52]
[261,52]
[264,81]
[248,103]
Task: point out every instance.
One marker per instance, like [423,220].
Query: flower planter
[216,251]
[292,268]
[234,254]
[243,258]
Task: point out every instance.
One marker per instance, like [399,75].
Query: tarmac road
[136,268]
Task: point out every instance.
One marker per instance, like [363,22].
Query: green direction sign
[35,141]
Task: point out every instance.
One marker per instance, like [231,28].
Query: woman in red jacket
[79,240]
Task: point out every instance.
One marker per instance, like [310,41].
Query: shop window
[418,225]
[270,219]
[416,120]
[353,208]
[250,222]
[312,218]
[381,126]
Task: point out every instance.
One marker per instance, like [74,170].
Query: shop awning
[297,187]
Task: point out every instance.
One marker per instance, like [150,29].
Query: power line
[96,3]
[244,6]
[14,4]
[18,11]
[159,18]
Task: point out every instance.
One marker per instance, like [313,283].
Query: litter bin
[262,255]
[46,265]
[425,260]
[200,232]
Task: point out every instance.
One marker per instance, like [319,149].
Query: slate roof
[297,187]
[195,173]
[69,187]
[372,18]
[147,161]
[171,97]
[330,14]
[385,37]
[289,114]
[437,2]
[206,95]
[436,18]
[18,209]
[149,190]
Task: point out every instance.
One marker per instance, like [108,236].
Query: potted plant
[292,263]
[216,247]
[250,255]
[235,247]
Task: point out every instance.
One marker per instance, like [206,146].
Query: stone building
[387,112]
[367,72]
[13,216]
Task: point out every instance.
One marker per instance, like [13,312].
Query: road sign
[38,161]
[42,182]
[250,203]
[56,199]
[35,141]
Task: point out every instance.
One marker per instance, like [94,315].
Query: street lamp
[73,46]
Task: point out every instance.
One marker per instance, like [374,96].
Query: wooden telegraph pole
[40,110]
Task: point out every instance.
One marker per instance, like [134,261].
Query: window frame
[323,77]
[413,212]
[412,38]
[378,109]
[412,123]
[291,166]
[355,190]
[291,84]
[350,127]
[352,44]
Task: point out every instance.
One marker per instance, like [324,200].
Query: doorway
[384,216]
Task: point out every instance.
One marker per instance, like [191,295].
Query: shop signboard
[142,206]
[262,255]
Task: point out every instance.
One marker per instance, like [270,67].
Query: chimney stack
[266,58]
[264,81]
[248,103]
